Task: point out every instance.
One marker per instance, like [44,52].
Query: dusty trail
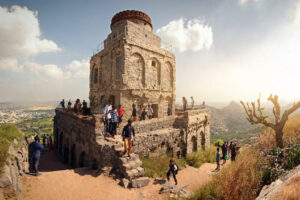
[57,182]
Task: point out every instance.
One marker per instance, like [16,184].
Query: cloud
[247,1]
[20,36]
[295,14]
[186,35]
[10,64]
[79,69]
[49,71]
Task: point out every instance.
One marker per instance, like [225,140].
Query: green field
[36,125]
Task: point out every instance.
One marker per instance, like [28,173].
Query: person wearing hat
[128,135]
[36,148]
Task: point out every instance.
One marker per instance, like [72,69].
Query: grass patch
[196,159]
[7,135]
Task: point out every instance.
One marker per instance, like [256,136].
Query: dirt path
[59,183]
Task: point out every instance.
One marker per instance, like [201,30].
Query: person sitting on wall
[120,114]
[85,109]
[173,168]
[128,135]
[35,148]
[69,108]
[75,106]
[133,115]
[79,108]
[62,103]
[114,121]
[150,112]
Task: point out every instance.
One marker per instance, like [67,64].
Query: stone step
[133,164]
[140,182]
[131,174]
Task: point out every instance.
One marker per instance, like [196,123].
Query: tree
[255,116]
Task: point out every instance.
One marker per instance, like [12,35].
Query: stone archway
[202,140]
[194,143]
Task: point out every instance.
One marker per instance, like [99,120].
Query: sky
[225,49]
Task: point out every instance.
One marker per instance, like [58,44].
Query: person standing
[133,115]
[128,135]
[50,143]
[218,158]
[107,114]
[140,112]
[62,103]
[48,140]
[169,110]
[114,121]
[184,103]
[144,114]
[36,148]
[44,140]
[173,168]
[78,107]
[150,112]
[120,114]
[192,102]
[69,108]
[233,152]
[224,152]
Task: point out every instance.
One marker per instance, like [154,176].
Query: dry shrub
[290,191]
[240,180]
[291,130]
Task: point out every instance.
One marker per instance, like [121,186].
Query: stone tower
[132,67]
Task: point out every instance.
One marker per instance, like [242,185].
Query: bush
[196,159]
[7,135]
[240,180]
[219,142]
[292,158]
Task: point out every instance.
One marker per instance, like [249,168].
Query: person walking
[173,168]
[120,114]
[218,158]
[128,135]
[150,112]
[36,148]
[133,115]
[192,102]
[114,121]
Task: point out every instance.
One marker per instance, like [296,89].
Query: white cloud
[247,1]
[295,14]
[79,69]
[20,36]
[187,35]
[49,71]
[10,64]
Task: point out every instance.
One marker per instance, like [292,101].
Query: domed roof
[130,14]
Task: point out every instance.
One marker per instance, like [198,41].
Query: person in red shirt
[120,114]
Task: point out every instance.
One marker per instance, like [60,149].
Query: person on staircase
[173,168]
[128,135]
[120,114]
[114,121]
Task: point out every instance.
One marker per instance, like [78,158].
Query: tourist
[102,111]
[169,110]
[36,148]
[75,106]
[140,112]
[192,102]
[203,105]
[128,135]
[144,114]
[120,114]
[69,108]
[224,152]
[233,152]
[133,115]
[62,103]
[107,114]
[50,143]
[114,121]
[184,103]
[48,140]
[78,107]
[218,158]
[85,109]
[229,146]
[150,112]
[44,140]
[173,168]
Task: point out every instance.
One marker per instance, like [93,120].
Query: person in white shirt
[150,112]
[107,115]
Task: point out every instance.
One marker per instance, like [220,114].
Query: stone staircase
[129,168]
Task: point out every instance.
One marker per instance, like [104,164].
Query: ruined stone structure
[132,68]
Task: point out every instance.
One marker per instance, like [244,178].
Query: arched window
[95,75]
[118,67]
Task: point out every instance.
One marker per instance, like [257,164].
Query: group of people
[78,108]
[143,113]
[185,103]
[47,141]
[229,151]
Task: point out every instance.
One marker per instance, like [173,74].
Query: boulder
[140,182]
[125,182]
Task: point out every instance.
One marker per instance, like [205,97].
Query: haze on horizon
[225,50]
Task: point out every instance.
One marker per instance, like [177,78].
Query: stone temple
[132,68]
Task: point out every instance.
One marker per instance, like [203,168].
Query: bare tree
[255,116]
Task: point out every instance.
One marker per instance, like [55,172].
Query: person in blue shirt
[128,135]
[218,158]
[36,148]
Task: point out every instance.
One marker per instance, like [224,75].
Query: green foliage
[7,135]
[218,142]
[196,159]
[269,175]
[292,158]
[36,125]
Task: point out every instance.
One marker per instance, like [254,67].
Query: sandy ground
[57,182]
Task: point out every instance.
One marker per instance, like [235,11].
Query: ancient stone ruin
[132,68]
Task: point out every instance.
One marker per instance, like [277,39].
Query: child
[218,157]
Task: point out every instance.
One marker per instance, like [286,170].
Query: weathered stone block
[125,182]
[140,182]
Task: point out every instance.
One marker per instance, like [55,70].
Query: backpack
[177,168]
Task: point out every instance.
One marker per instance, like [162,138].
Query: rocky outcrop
[175,190]
[270,191]
[16,166]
